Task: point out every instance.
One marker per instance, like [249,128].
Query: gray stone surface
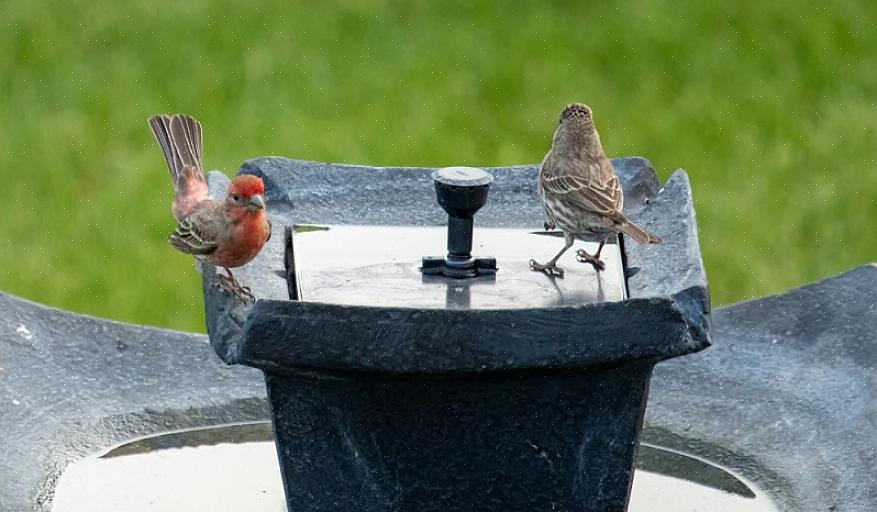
[300,192]
[786,396]
[71,385]
[303,335]
[449,363]
[511,442]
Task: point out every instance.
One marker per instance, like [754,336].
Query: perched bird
[580,192]
[227,233]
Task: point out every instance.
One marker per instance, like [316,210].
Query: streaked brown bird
[227,233]
[580,192]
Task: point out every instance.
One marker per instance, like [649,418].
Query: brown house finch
[580,193]
[227,233]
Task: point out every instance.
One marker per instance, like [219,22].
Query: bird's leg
[232,286]
[583,257]
[242,292]
[551,267]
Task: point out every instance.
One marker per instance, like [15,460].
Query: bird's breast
[243,243]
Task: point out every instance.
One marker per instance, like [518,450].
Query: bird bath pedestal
[396,386]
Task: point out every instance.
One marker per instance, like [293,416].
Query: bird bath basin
[426,380]
[181,471]
[782,401]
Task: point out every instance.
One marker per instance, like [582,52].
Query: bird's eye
[235,197]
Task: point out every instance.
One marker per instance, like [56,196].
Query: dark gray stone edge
[291,191]
[298,336]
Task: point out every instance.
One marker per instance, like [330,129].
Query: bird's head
[576,129]
[576,113]
[246,194]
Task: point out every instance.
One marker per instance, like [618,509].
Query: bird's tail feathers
[639,234]
[180,139]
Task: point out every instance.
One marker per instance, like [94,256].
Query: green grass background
[770,107]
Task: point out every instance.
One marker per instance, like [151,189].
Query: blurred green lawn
[770,107]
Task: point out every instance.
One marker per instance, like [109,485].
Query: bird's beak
[256,202]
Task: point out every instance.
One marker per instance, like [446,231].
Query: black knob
[461,192]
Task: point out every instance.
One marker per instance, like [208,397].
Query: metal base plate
[380,266]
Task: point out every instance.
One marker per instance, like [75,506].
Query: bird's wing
[610,183]
[603,197]
[198,233]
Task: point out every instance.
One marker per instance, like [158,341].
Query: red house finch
[227,233]
[580,193]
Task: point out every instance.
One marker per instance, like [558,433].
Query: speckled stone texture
[785,396]
[400,408]
[72,385]
[300,192]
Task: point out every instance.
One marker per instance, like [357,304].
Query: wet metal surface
[380,266]
[234,468]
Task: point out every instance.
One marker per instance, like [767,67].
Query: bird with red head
[227,233]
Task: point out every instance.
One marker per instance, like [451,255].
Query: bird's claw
[245,293]
[583,257]
[233,287]
[552,270]
[549,225]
